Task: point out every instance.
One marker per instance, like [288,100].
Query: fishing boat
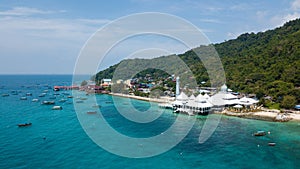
[260,133]
[24,124]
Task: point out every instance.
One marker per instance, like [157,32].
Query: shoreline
[161,100]
[263,114]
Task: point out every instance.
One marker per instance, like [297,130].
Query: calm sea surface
[57,140]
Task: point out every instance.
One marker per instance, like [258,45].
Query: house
[106,82]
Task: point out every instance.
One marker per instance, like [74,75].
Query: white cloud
[232,35]
[25,11]
[287,14]
[295,5]
[279,20]
[41,44]
[210,20]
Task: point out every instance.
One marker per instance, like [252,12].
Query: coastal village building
[106,82]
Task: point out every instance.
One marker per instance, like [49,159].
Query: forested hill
[265,63]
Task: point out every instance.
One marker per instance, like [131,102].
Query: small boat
[271,144]
[35,100]
[28,94]
[48,102]
[70,96]
[42,95]
[5,95]
[23,98]
[24,124]
[96,106]
[91,112]
[260,133]
[62,100]
[83,98]
[56,108]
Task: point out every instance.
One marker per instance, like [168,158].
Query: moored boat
[83,98]
[62,100]
[23,98]
[96,106]
[35,100]
[24,124]
[42,95]
[5,94]
[56,108]
[48,102]
[91,112]
[260,133]
[271,144]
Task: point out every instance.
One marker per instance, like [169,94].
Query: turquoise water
[56,138]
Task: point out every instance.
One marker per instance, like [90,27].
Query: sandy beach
[157,100]
[265,114]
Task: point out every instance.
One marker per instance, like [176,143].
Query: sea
[57,138]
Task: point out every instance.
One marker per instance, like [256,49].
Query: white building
[203,104]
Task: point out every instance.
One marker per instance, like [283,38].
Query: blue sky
[45,37]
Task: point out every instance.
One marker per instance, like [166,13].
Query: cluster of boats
[263,133]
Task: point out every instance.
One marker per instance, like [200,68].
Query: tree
[288,102]
[84,83]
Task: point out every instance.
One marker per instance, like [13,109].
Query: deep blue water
[57,140]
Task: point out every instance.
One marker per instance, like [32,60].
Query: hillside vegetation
[265,63]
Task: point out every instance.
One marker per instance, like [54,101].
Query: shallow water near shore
[56,138]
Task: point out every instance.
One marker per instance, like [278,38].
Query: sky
[46,37]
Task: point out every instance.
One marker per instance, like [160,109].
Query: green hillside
[265,63]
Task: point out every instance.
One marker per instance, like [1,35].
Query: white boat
[42,95]
[5,95]
[56,108]
[62,100]
[23,98]
[35,100]
[48,102]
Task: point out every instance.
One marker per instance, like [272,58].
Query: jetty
[58,88]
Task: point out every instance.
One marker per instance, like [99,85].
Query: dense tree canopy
[265,63]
